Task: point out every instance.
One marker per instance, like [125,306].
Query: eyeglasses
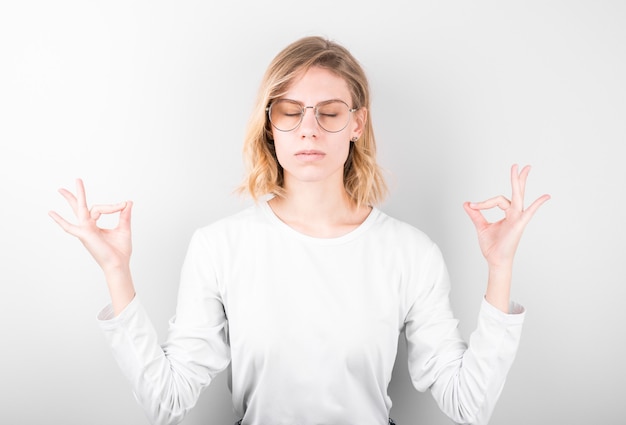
[331,115]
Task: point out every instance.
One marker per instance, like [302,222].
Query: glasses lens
[285,114]
[333,116]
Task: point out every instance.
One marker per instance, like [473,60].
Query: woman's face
[309,153]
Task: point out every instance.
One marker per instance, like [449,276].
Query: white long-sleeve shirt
[310,327]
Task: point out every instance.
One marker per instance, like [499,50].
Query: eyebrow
[322,101]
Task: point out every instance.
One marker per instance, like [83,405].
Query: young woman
[305,295]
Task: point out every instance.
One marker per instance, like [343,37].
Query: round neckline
[349,236]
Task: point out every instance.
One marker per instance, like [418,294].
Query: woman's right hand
[111,248]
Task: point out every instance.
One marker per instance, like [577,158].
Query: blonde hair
[363,178]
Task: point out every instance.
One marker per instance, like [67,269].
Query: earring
[354,139]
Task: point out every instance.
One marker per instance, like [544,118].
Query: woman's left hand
[499,240]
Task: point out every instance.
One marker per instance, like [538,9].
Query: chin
[314,176]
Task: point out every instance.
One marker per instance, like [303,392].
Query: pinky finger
[532,209]
[64,224]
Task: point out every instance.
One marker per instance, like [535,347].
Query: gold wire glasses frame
[331,115]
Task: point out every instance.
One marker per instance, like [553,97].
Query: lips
[309,155]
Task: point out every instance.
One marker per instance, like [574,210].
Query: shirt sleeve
[168,379]
[464,379]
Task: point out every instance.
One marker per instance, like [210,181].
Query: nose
[309,126]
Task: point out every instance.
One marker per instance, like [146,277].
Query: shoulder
[403,233]
[413,255]
[232,226]
[407,243]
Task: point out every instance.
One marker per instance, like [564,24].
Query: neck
[318,210]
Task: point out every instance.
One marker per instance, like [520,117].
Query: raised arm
[111,248]
[168,378]
[499,240]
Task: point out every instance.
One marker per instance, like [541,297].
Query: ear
[360,119]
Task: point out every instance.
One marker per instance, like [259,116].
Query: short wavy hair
[362,176]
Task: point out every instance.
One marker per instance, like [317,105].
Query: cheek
[343,151]
[279,150]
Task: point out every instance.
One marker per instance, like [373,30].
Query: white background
[148,100]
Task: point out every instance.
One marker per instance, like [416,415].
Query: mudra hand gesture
[111,248]
[498,241]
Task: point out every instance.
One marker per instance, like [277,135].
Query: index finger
[97,210]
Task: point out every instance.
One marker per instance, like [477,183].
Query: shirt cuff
[107,319]
[516,314]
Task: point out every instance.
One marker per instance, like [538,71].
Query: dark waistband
[240,422]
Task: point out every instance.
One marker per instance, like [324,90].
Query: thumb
[475,215]
[125,214]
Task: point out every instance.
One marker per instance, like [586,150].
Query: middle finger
[81,200]
[518,184]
